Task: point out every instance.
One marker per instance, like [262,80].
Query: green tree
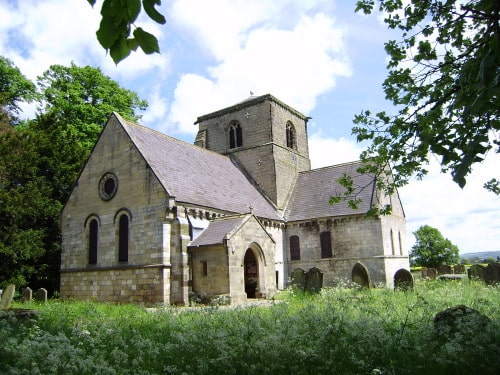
[115,29]
[443,79]
[84,98]
[40,160]
[431,249]
[14,88]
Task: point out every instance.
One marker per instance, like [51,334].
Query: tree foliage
[14,88]
[84,98]
[115,31]
[431,249]
[443,79]
[39,161]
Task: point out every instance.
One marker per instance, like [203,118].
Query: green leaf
[149,7]
[133,10]
[119,50]
[147,41]
[132,44]
[91,2]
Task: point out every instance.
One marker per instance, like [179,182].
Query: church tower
[266,137]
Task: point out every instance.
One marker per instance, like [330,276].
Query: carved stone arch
[360,275]
[121,211]
[90,217]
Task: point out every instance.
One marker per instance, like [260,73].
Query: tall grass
[339,331]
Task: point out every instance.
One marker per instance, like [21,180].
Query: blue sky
[316,55]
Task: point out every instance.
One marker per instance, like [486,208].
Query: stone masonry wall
[144,285]
[216,280]
[354,239]
[139,196]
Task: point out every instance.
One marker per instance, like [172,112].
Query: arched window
[93,241]
[290,136]
[294,248]
[326,244]
[235,135]
[123,239]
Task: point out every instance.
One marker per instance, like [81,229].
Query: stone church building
[238,215]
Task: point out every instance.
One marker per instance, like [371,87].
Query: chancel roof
[194,175]
[314,188]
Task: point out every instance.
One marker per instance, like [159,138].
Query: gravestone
[423,272]
[27,294]
[492,273]
[299,278]
[476,271]
[314,280]
[41,295]
[443,269]
[458,269]
[7,297]
[431,273]
[403,279]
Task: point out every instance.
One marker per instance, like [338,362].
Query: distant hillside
[481,255]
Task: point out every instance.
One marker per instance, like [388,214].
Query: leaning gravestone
[41,295]
[314,280]
[299,278]
[7,296]
[27,294]
[476,272]
[492,273]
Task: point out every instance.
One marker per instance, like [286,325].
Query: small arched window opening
[93,241]
[235,135]
[294,248]
[393,249]
[326,244]
[290,136]
[123,239]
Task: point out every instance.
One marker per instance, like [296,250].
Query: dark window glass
[109,186]
[205,268]
[290,136]
[123,239]
[326,244]
[93,240]
[294,248]
[235,136]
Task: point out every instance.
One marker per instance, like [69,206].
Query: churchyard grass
[338,331]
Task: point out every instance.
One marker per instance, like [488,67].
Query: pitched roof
[217,231]
[194,175]
[314,188]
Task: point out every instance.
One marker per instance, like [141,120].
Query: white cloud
[296,65]
[467,217]
[329,151]
[49,32]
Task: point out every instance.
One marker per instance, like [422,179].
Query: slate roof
[314,188]
[217,230]
[197,176]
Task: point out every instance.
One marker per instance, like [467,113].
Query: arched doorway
[360,275]
[251,271]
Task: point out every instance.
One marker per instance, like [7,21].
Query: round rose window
[108,185]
